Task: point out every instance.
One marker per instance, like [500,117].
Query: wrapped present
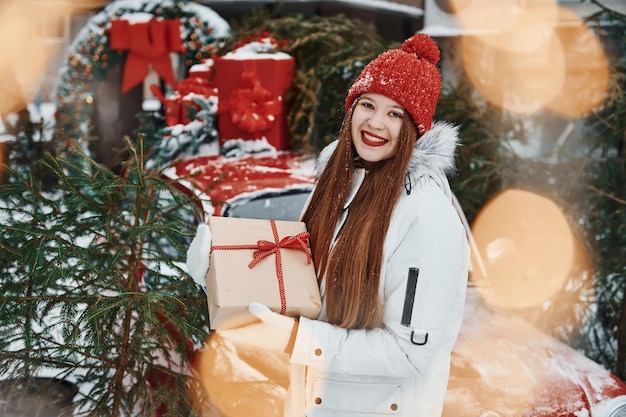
[188,91]
[251,86]
[266,261]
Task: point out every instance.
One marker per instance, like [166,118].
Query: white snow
[242,147]
[138,17]
[263,49]
[205,65]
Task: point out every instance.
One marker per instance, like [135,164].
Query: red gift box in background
[250,93]
[177,106]
[189,90]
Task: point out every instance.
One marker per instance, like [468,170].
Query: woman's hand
[275,331]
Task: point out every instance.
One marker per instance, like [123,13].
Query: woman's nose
[376,120]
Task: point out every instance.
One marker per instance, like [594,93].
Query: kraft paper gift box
[251,90]
[265,261]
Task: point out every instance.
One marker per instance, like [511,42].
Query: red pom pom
[423,46]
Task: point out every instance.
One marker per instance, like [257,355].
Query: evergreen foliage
[166,144]
[30,145]
[605,186]
[329,53]
[93,288]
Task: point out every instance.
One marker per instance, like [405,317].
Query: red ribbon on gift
[196,85]
[253,108]
[264,248]
[176,105]
[148,43]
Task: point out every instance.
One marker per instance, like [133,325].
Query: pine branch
[86,295]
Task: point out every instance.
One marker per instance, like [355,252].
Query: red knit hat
[408,75]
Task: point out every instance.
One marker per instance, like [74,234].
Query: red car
[266,186]
[501,366]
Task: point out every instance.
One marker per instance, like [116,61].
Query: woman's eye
[396,114]
[367,105]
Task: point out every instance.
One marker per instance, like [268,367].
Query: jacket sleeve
[433,242]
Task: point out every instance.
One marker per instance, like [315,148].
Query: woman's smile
[371,139]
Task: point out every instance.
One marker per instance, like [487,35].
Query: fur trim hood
[433,154]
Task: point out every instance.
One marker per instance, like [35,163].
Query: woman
[390,252]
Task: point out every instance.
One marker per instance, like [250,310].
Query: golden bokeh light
[532,56]
[586,78]
[242,381]
[520,82]
[26,31]
[528,248]
[24,49]
[508,24]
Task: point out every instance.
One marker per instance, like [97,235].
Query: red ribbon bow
[148,43]
[254,108]
[266,248]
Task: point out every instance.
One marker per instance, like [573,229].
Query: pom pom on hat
[423,47]
[408,75]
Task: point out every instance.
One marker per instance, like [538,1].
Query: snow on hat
[408,75]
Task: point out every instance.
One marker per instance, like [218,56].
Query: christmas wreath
[188,28]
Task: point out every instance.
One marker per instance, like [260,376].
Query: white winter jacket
[402,368]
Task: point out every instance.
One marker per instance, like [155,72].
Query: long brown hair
[352,267]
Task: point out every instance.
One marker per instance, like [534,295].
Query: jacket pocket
[342,398]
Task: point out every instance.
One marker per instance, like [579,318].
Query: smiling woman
[390,251]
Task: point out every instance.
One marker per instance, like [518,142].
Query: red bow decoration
[254,108]
[148,43]
[266,248]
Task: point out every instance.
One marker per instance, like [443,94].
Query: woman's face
[376,123]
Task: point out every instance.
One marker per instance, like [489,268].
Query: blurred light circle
[24,49]
[528,249]
[519,82]
[586,77]
[508,24]
[242,381]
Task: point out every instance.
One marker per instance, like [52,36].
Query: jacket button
[318,352]
[394,407]
[318,400]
